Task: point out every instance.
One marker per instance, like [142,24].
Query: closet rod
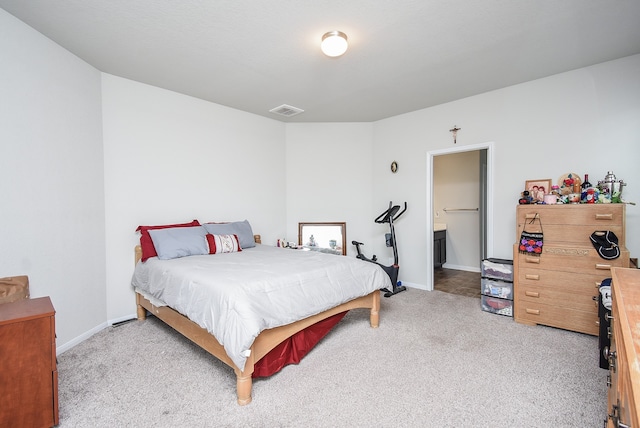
[448,210]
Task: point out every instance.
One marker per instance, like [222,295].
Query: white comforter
[237,295]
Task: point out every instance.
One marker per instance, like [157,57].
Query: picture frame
[326,237]
[538,188]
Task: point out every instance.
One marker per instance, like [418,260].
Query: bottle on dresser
[588,192]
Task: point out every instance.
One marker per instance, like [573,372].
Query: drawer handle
[532,260]
[533,311]
[604,216]
[532,294]
[531,216]
[603,266]
[532,276]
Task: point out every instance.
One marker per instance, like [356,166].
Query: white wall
[329,178]
[70,204]
[51,179]
[170,158]
[584,121]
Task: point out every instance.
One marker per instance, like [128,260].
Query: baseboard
[465,268]
[413,285]
[122,319]
[86,335]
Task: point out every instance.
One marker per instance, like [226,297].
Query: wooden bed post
[141,312]
[244,382]
[374,319]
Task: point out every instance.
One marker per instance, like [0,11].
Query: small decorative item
[525,198]
[574,198]
[454,131]
[538,188]
[394,167]
[567,181]
[576,188]
[611,188]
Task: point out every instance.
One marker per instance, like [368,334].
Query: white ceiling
[403,55]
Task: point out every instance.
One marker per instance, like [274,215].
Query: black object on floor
[388,216]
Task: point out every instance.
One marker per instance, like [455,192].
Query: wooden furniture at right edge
[624,353]
[560,287]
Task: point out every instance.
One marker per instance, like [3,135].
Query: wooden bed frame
[265,342]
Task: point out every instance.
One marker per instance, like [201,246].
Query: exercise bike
[389,216]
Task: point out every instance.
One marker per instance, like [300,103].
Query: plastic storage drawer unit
[497,306]
[497,269]
[495,288]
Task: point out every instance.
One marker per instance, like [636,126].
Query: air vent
[286,110]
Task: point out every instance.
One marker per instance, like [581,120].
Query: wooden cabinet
[624,352]
[29,375]
[560,287]
[439,248]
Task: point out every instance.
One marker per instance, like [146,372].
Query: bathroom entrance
[459,203]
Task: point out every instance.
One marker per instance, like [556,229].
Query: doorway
[481,212]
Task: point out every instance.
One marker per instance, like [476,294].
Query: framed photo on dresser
[538,188]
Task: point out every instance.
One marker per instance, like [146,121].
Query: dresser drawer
[573,234]
[576,259]
[572,223]
[569,296]
[583,283]
[570,319]
[596,214]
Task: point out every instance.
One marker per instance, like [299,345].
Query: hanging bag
[531,242]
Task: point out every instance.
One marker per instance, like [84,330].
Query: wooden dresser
[624,353]
[29,374]
[560,287]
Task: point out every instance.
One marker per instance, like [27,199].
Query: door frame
[488,146]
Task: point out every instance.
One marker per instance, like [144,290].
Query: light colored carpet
[437,360]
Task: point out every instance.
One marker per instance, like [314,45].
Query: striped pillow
[223,243]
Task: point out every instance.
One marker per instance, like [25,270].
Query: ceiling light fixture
[334,43]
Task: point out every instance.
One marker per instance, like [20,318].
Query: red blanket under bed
[292,350]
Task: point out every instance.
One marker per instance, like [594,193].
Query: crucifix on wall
[454,131]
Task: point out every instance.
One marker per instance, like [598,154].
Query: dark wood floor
[457,282]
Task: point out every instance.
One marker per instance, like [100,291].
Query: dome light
[334,43]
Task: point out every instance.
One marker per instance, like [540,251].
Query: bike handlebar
[390,214]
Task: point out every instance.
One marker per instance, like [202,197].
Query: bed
[241,305]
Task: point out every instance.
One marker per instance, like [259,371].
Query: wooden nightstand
[29,374]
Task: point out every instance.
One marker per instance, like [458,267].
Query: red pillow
[148,250]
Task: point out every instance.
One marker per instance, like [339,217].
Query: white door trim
[458,149]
